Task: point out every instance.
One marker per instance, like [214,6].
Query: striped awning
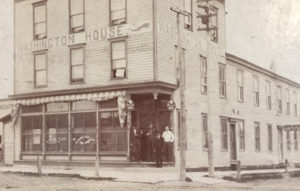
[101,96]
[289,127]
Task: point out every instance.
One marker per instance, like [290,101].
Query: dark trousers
[168,147]
[158,155]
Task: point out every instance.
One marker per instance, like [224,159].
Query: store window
[76,16]
[257,136]
[242,135]
[204,131]
[224,136]
[40,70]
[32,133]
[203,65]
[40,21]
[117,12]
[57,133]
[119,60]
[77,64]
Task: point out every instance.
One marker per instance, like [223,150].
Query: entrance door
[280,144]
[233,155]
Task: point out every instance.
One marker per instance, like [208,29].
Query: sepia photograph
[125,95]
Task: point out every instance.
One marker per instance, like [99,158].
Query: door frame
[280,144]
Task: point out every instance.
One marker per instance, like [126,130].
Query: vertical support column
[97,141]
[44,133]
[69,131]
[128,131]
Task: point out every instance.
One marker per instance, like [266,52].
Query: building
[80,63]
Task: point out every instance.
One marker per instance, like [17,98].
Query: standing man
[158,144]
[168,137]
[149,142]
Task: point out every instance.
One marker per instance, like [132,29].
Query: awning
[289,127]
[5,115]
[101,96]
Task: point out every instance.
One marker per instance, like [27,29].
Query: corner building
[79,62]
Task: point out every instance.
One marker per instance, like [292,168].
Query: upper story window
[40,21]
[295,103]
[240,86]
[214,24]
[268,95]
[255,91]
[77,64]
[40,70]
[76,16]
[287,91]
[119,59]
[279,99]
[117,12]
[188,20]
[222,80]
[203,63]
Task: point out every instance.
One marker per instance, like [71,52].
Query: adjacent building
[87,72]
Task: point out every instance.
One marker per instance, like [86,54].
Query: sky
[264,32]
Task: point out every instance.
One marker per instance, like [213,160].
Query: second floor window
[222,81]
[287,101]
[76,16]
[255,91]
[40,21]
[295,103]
[40,70]
[203,62]
[240,84]
[188,20]
[268,95]
[77,65]
[119,61]
[279,99]
[117,12]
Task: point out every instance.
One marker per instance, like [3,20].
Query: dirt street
[20,182]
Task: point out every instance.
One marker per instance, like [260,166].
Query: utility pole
[182,94]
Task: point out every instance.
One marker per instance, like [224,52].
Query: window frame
[215,33]
[288,101]
[38,4]
[240,87]
[256,100]
[295,108]
[270,137]
[257,133]
[222,82]
[205,135]
[110,14]
[35,71]
[70,18]
[296,142]
[242,136]
[204,78]
[126,59]
[190,12]
[288,140]
[73,81]
[279,99]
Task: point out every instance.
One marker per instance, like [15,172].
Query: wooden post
[97,161]
[182,96]
[39,166]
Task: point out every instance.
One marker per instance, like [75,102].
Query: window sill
[77,83]
[40,87]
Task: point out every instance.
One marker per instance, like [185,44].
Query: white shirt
[168,136]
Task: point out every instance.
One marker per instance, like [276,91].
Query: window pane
[84,105]
[118,17]
[39,14]
[117,4]
[77,21]
[77,56]
[77,72]
[40,28]
[118,50]
[40,61]
[106,120]
[255,84]
[76,6]
[57,107]
[119,64]
[240,78]
[41,78]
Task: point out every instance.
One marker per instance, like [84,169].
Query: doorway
[233,154]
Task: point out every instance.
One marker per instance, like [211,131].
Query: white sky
[260,31]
